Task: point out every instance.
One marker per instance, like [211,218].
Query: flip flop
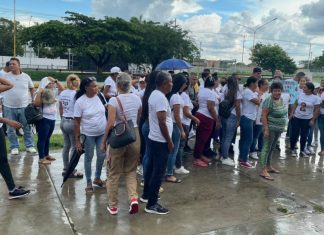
[176,181]
[267,177]
[274,171]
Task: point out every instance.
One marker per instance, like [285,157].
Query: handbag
[32,114]
[123,133]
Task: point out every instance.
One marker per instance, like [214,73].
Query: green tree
[318,62]
[272,57]
[6,38]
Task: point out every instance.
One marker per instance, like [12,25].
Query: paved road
[217,200]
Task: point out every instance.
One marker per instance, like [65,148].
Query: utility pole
[309,55]
[14,33]
[243,47]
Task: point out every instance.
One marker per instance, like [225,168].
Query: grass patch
[318,208]
[56,142]
[282,210]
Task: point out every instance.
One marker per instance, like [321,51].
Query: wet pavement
[218,200]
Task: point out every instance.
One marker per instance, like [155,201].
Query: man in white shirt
[110,89]
[15,102]
[161,126]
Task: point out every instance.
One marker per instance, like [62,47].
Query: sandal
[174,180]
[89,189]
[267,177]
[272,170]
[98,182]
[44,161]
[200,163]
[50,158]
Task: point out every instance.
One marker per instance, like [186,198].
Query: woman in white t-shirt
[90,121]
[250,103]
[303,115]
[186,120]
[176,103]
[320,119]
[67,100]
[46,101]
[123,160]
[208,118]
[232,93]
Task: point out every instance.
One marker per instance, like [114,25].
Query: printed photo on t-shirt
[303,107]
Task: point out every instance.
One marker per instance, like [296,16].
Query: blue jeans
[182,144]
[155,171]
[246,138]
[228,131]
[257,137]
[145,133]
[321,129]
[90,143]
[67,127]
[18,114]
[44,128]
[173,155]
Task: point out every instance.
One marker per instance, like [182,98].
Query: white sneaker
[228,162]
[181,171]
[139,170]
[310,150]
[254,155]
[306,151]
[31,150]
[303,154]
[14,151]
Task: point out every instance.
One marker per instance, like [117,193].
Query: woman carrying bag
[124,108]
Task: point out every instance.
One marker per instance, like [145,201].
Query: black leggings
[4,165]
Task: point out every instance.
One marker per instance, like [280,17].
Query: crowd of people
[165,109]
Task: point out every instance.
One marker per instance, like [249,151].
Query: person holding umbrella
[90,120]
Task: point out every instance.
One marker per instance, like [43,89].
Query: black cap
[257,70]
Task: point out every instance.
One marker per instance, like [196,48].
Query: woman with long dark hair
[229,125]
[90,120]
[176,103]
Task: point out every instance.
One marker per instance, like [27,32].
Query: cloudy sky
[218,26]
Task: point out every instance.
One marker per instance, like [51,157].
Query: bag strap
[121,109]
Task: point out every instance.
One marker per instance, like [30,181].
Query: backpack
[32,114]
[225,108]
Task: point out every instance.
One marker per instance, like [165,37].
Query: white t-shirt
[187,103]
[140,93]
[2,73]
[19,95]
[322,103]
[305,107]
[217,100]
[49,111]
[110,82]
[131,104]
[238,96]
[174,100]
[1,109]
[92,114]
[67,100]
[258,120]
[285,99]
[205,95]
[158,103]
[249,109]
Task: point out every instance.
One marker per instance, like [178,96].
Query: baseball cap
[115,70]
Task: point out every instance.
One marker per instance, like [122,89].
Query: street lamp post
[14,33]
[254,30]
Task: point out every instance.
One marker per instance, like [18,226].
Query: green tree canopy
[101,40]
[272,57]
[6,37]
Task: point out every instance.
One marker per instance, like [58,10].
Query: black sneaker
[145,200]
[18,192]
[157,209]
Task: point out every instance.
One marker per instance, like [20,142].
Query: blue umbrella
[173,64]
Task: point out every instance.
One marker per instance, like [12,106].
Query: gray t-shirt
[19,95]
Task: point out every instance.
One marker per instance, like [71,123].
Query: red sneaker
[112,210]
[200,163]
[133,207]
[206,160]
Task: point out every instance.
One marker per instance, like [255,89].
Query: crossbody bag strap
[121,109]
